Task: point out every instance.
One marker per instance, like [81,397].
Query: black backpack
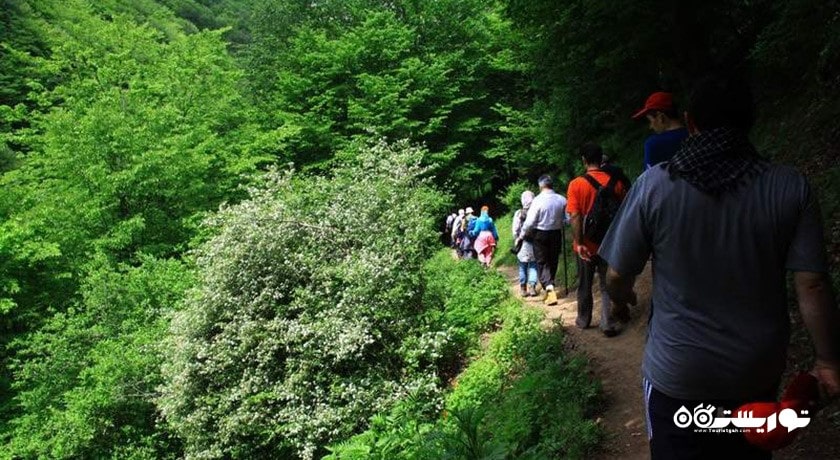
[604,209]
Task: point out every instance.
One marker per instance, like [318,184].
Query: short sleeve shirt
[719,327]
[662,146]
[581,197]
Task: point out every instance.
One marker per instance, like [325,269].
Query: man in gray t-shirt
[724,226]
[720,322]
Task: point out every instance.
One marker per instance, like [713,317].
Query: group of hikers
[722,226]
[473,236]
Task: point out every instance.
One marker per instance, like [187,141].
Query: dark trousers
[667,441]
[586,279]
[547,246]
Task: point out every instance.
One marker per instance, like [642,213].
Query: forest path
[615,361]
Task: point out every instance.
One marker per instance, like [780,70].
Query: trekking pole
[565,263]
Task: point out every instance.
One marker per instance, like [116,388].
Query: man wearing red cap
[667,127]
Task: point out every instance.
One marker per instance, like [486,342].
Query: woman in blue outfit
[485,237]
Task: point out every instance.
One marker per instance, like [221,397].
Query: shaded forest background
[125,125]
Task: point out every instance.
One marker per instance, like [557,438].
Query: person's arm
[566,218]
[517,224]
[808,261]
[530,218]
[577,237]
[573,209]
[626,248]
[819,312]
[493,229]
[620,288]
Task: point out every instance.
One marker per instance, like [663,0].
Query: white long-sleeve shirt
[456,226]
[547,212]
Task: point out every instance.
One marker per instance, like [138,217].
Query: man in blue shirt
[667,127]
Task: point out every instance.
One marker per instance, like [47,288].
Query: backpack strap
[611,183]
[592,181]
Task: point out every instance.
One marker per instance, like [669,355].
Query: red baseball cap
[657,101]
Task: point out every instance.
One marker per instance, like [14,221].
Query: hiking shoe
[551,298]
[532,292]
[522,291]
[611,332]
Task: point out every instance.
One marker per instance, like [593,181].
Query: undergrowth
[520,396]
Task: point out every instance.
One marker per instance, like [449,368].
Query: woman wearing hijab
[465,240]
[525,255]
[456,232]
[485,236]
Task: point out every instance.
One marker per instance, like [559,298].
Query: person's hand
[583,252]
[828,376]
[621,306]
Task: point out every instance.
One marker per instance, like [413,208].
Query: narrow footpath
[616,362]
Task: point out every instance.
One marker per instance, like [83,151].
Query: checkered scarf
[716,161]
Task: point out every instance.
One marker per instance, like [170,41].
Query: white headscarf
[527,198]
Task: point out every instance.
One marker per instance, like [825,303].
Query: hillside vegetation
[217,217]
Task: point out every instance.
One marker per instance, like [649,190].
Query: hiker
[725,225]
[525,253]
[484,237]
[544,226]
[591,211]
[465,244]
[456,232]
[450,219]
[667,127]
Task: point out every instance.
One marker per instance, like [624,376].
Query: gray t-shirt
[719,326]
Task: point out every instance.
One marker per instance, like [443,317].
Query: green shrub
[462,296]
[511,196]
[307,294]
[546,406]
[87,380]
[503,256]
[533,398]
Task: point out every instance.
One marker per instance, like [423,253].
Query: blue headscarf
[484,222]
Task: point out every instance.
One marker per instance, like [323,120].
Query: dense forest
[218,217]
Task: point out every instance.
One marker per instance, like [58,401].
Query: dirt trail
[616,362]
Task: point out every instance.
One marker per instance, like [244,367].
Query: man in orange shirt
[581,200]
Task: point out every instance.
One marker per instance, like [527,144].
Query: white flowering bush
[308,291]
